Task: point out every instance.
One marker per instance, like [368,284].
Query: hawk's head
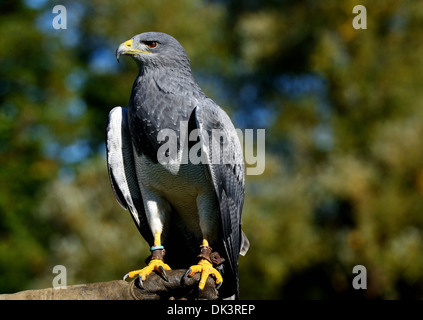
[154,49]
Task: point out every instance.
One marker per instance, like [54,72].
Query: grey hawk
[175,161]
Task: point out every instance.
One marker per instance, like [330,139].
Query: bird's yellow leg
[157,241]
[156,263]
[205,267]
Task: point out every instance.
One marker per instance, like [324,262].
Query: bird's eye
[151,44]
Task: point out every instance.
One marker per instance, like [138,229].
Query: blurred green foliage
[342,109]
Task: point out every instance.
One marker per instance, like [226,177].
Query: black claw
[140,281]
[187,273]
[164,273]
[219,285]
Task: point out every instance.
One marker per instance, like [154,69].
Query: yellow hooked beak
[126,48]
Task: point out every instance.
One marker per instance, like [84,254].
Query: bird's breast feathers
[174,180]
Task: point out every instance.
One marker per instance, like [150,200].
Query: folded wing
[121,168]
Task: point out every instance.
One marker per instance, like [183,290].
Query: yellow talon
[206,268]
[156,262]
[154,265]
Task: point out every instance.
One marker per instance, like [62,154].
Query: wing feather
[121,168]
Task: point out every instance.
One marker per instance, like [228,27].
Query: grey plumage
[186,201]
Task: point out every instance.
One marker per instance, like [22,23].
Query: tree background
[342,109]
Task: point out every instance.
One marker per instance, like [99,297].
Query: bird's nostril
[128,43]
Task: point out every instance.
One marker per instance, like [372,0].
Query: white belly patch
[182,186]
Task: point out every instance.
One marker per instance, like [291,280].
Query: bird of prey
[189,210]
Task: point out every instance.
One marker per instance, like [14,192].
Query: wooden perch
[155,288]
